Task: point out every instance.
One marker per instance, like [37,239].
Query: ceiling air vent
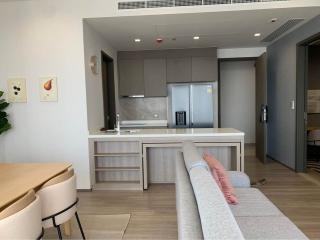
[159,3]
[255,1]
[131,5]
[281,30]
[178,3]
[216,2]
[188,2]
[245,1]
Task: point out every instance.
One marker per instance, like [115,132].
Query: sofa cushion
[252,202]
[189,227]
[217,220]
[272,227]
[239,179]
[216,178]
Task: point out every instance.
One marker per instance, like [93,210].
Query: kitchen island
[131,159]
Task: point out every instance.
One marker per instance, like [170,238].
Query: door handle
[264,114]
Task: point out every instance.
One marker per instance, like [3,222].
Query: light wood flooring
[296,195]
[153,214]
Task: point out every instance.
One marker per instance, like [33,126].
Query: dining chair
[59,201]
[22,219]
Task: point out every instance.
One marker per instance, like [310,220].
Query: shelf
[103,169]
[118,185]
[117,154]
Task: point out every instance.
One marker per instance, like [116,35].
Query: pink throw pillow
[216,177]
[219,174]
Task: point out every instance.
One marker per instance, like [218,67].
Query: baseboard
[84,190]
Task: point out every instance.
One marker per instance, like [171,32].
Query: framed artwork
[48,89]
[313,101]
[17,90]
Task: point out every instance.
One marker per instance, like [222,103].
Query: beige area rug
[95,227]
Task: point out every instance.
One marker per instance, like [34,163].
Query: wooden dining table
[16,179]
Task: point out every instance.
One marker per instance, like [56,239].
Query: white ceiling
[220,29]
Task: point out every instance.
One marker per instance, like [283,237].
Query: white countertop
[143,123]
[170,132]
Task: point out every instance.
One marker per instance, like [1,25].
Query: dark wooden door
[109,100]
[261,107]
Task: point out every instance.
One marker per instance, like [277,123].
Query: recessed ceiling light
[159,40]
[273,20]
[257,34]
[196,37]
[137,40]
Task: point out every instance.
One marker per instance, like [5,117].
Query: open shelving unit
[102,169]
[117,165]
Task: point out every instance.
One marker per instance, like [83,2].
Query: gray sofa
[203,213]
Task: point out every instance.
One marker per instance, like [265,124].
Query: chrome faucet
[117,128]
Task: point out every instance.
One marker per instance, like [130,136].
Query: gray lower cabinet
[179,70]
[204,69]
[155,77]
[131,80]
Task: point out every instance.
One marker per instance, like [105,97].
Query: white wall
[41,38]
[94,43]
[1,149]
[240,52]
[237,96]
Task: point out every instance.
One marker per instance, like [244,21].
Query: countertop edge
[167,135]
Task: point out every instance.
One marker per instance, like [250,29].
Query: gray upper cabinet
[204,69]
[179,70]
[155,76]
[131,77]
[147,72]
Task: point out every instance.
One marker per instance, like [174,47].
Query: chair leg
[59,232]
[79,223]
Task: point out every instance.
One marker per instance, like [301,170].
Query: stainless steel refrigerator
[193,105]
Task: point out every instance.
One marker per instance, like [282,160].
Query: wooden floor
[296,195]
[153,214]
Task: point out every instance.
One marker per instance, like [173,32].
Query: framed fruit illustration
[48,89]
[17,90]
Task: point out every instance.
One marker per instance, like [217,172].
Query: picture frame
[17,90]
[48,89]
